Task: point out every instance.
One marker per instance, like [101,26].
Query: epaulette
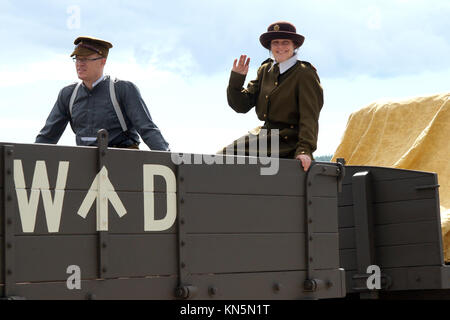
[267,60]
[309,65]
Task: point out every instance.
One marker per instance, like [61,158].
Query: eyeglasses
[84,60]
[281,43]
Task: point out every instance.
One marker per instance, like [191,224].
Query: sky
[180,53]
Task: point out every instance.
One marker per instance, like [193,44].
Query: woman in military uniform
[286,93]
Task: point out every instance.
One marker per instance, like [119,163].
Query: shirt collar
[286,65]
[98,81]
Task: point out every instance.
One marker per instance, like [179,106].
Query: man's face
[90,68]
[282,49]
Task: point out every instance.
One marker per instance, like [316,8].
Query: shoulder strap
[112,93]
[73,96]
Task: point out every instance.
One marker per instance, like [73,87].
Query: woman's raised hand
[241,66]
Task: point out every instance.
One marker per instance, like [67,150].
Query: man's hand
[305,160]
[241,66]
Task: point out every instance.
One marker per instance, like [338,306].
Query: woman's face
[282,49]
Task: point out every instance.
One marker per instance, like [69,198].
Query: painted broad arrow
[103,191]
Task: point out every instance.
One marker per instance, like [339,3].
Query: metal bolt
[9,221]
[9,272]
[104,245]
[8,171]
[182,221]
[183,265]
[91,296]
[8,197]
[182,243]
[212,291]
[277,287]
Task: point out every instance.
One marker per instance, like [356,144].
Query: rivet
[212,291]
[183,265]
[277,287]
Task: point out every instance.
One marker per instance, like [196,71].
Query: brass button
[285,137]
[267,97]
[265,115]
[276,83]
[292,126]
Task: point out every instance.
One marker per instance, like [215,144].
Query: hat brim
[267,37]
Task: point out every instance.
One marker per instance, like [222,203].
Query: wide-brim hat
[281,30]
[88,45]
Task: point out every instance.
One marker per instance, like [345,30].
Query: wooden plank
[252,286]
[223,253]
[395,212]
[422,254]
[214,213]
[394,234]
[157,288]
[72,223]
[83,165]
[408,278]
[140,255]
[246,179]
[395,190]
[383,173]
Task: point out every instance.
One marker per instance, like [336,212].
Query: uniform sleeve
[56,122]
[310,102]
[239,99]
[139,115]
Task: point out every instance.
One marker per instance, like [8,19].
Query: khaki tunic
[290,102]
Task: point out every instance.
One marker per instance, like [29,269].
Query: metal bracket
[9,222]
[335,170]
[184,290]
[103,239]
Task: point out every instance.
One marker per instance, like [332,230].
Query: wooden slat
[258,252]
[252,286]
[72,223]
[129,255]
[212,213]
[382,173]
[84,160]
[423,254]
[394,234]
[246,179]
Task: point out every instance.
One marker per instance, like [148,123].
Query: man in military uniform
[286,93]
[100,103]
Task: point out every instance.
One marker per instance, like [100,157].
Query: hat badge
[276,27]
